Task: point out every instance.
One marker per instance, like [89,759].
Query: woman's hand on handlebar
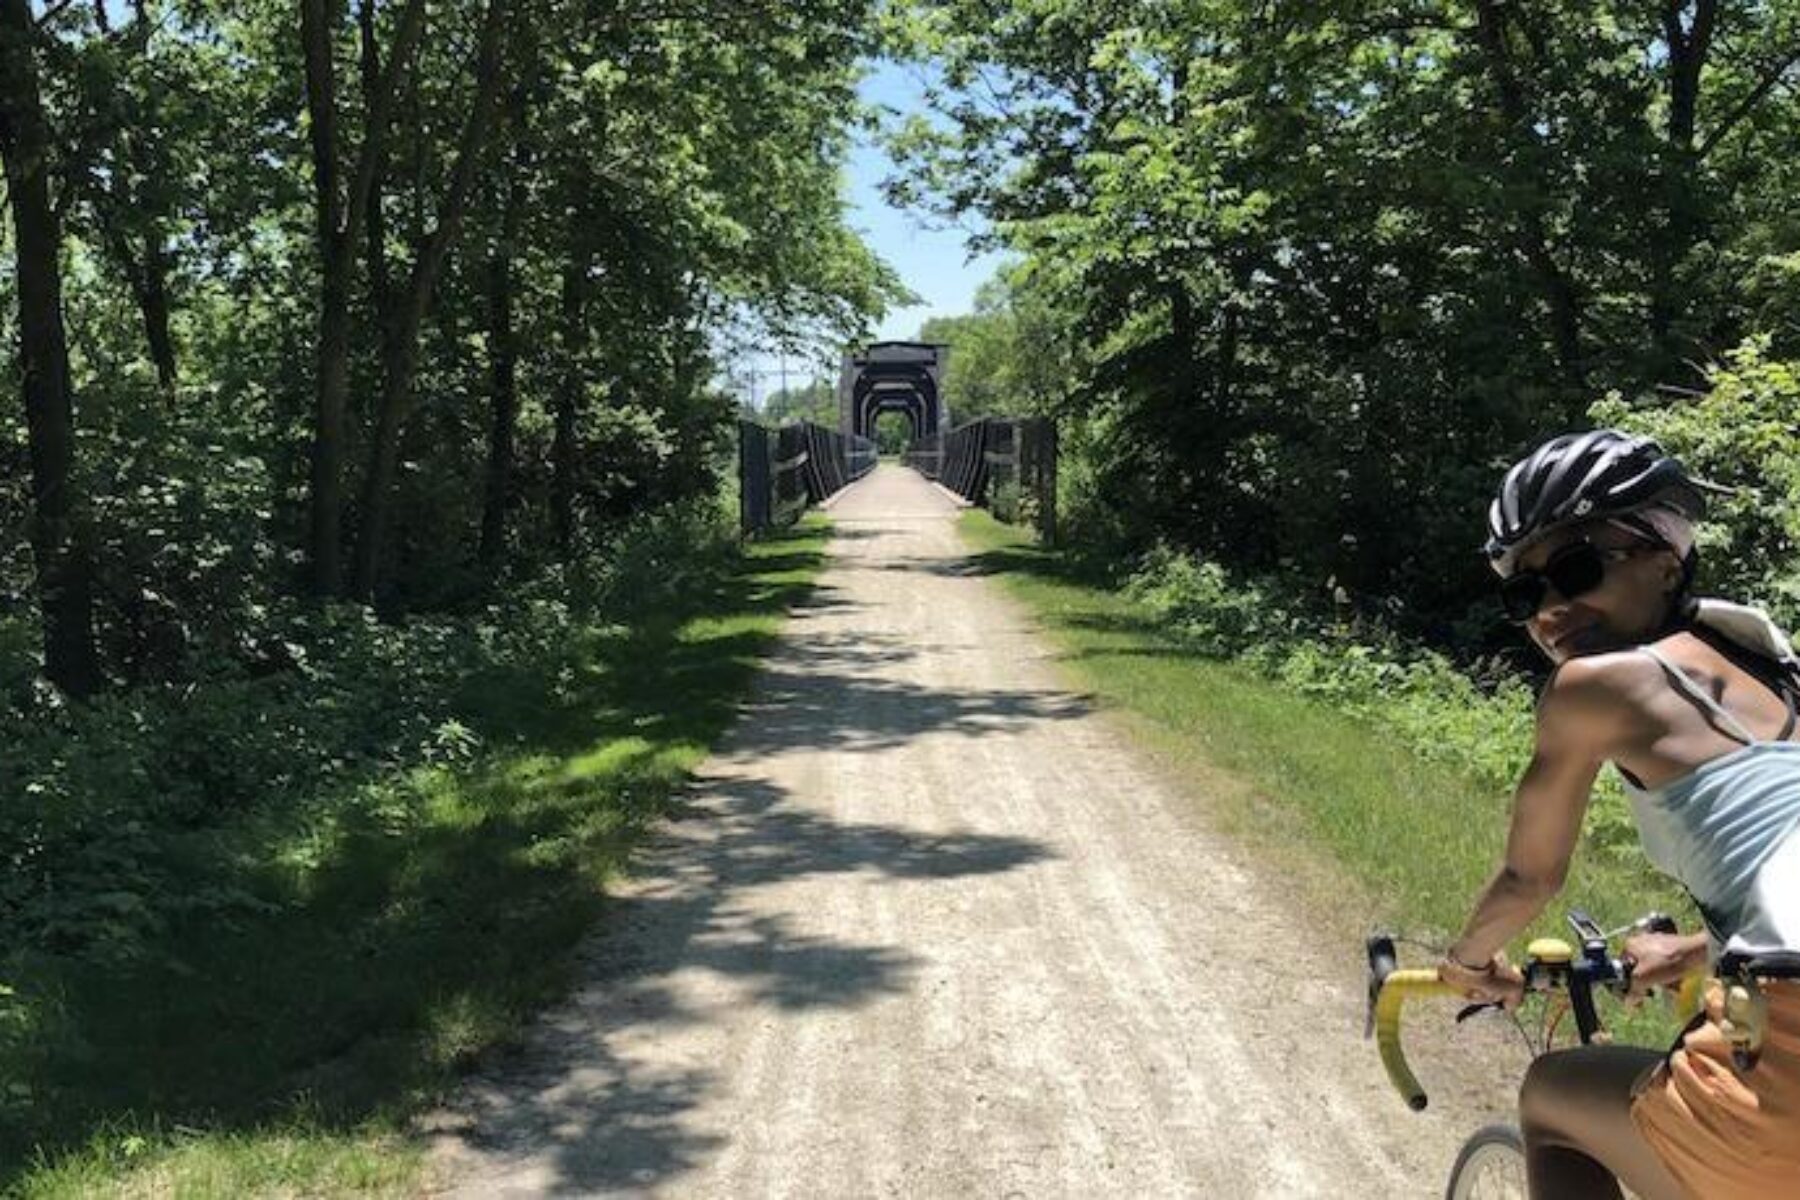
[1662,959]
[1499,983]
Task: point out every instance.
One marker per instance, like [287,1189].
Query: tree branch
[468,155]
[1747,105]
[406,40]
[52,12]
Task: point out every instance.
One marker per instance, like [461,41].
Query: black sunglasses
[1574,569]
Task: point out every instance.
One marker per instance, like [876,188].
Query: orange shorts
[1722,1133]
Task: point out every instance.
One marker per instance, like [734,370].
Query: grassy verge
[396,934]
[1335,796]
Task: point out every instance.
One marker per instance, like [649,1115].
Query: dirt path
[928,927]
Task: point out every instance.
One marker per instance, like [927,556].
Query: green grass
[399,933]
[1384,837]
[300,1161]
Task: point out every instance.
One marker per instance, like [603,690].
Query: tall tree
[120,165]
[58,536]
[502,286]
[400,348]
[341,206]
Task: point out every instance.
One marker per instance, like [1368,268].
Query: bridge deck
[891,493]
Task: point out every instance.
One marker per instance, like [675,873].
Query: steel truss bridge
[1005,464]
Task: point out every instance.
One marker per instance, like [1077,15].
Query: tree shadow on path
[580,1110]
[618,1088]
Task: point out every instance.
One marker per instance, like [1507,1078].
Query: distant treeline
[1302,278]
[388,301]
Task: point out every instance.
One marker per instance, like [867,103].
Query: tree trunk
[505,417]
[148,280]
[1225,375]
[1689,48]
[332,363]
[399,362]
[332,357]
[151,278]
[339,218]
[569,385]
[58,542]
[380,287]
[503,344]
[153,303]
[1685,223]
[400,358]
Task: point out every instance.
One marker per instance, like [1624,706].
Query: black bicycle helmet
[1583,477]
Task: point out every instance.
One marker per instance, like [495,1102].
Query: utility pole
[751,375]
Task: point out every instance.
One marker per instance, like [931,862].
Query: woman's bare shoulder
[1597,701]
[1600,678]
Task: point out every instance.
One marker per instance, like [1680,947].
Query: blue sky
[933,260]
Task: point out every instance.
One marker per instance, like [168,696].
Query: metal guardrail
[783,471]
[860,456]
[1004,464]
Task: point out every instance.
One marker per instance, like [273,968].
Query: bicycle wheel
[1491,1166]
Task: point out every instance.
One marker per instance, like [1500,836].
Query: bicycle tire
[1490,1166]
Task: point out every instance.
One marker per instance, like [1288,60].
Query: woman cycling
[1693,702]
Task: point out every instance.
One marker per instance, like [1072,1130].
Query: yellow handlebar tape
[1550,951]
[1690,998]
[1396,990]
[1401,986]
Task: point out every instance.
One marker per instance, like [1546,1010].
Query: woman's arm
[1581,721]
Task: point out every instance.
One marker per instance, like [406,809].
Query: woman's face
[1628,605]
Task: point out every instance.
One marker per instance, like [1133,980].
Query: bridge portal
[903,377]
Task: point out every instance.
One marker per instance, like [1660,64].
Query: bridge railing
[926,456]
[1006,465]
[860,455]
[772,490]
[782,471]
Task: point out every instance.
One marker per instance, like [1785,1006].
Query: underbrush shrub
[182,503]
[1096,523]
[1481,721]
[104,802]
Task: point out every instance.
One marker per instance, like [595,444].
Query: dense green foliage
[1743,432]
[360,440]
[113,794]
[535,314]
[265,924]
[1007,358]
[1313,273]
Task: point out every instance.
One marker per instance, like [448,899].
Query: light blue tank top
[1730,832]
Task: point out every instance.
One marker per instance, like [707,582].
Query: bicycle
[1491,1162]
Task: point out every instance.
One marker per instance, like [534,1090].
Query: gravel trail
[927,925]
